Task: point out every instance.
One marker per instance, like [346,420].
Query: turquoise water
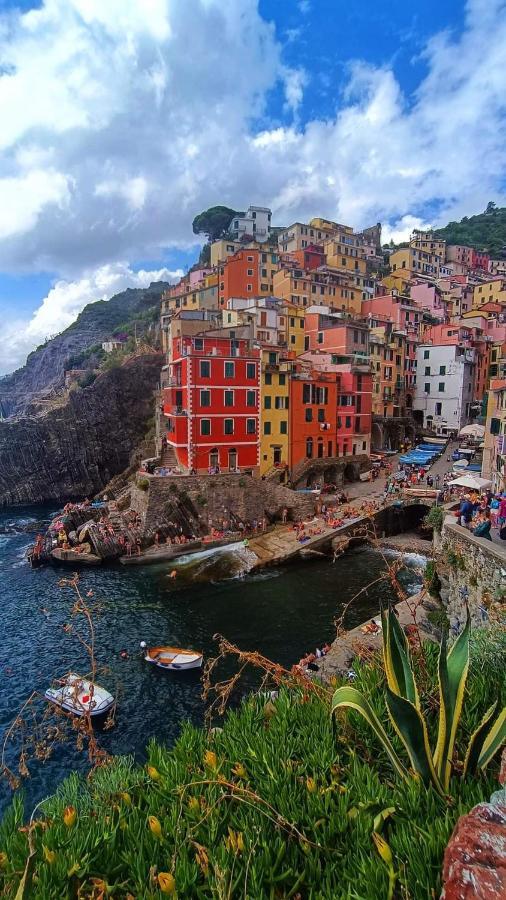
[282,612]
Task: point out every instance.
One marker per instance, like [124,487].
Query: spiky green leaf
[494,740]
[412,730]
[476,741]
[452,673]
[352,698]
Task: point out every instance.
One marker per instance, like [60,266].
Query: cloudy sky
[121,119]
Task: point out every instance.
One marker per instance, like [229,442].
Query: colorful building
[274,411]
[211,403]
[494,452]
[492,291]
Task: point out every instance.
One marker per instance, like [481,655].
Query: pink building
[197,275]
[399,310]
[429,296]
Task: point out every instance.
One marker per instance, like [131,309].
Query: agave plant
[403,704]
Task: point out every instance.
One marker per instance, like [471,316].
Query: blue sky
[123,119]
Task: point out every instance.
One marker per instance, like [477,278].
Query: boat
[173,658]
[80,697]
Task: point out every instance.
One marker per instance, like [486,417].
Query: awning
[473,482]
[476,431]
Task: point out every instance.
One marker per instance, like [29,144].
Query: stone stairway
[168,457]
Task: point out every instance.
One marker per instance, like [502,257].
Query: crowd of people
[481,513]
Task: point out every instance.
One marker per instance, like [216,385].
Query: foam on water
[413,560]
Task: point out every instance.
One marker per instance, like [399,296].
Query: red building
[308,258]
[330,409]
[239,276]
[212,403]
[480,260]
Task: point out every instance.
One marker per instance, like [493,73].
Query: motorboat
[79,696]
[174,658]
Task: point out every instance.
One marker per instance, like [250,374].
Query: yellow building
[343,255]
[393,356]
[397,281]
[429,243]
[222,249]
[415,261]
[274,418]
[494,452]
[294,328]
[493,291]
[318,288]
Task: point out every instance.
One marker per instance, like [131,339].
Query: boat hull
[80,697]
[173,659]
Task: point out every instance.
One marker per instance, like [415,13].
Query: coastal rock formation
[74,450]
[475,859]
[43,373]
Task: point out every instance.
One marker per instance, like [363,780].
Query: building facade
[444,387]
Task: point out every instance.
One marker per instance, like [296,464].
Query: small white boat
[173,658]
[79,696]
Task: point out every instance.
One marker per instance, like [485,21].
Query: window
[364,445]
[205,398]
[427,387]
[267,427]
[205,426]
[309,415]
[347,422]
[282,380]
[439,409]
[273,358]
[228,426]
[249,272]
[229,370]
[205,368]
[249,258]
[250,398]
[441,386]
[427,370]
[251,370]
[251,426]
[249,287]
[283,427]
[442,370]
[320,337]
[199,344]
[281,403]
[321,415]
[426,354]
[228,398]
[309,447]
[268,378]
[264,287]
[267,402]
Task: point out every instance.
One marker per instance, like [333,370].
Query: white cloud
[121,120]
[403,229]
[65,301]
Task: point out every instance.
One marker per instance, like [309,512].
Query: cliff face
[74,450]
[43,372]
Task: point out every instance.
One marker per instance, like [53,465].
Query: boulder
[475,859]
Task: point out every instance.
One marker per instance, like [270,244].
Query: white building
[444,386]
[255,223]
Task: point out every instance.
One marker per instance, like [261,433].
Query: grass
[280,803]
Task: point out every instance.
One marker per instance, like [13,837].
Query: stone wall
[472,572]
[210,499]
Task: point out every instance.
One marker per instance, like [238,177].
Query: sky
[120,120]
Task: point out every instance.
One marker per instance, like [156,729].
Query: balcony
[176,411]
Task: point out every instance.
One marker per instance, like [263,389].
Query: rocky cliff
[74,450]
[43,373]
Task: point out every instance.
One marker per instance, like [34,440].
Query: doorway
[232,460]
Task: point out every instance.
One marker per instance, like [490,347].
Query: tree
[213,221]
[491,208]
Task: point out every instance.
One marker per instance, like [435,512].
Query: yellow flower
[240,842]
[202,859]
[74,869]
[193,805]
[69,816]
[125,796]
[155,826]
[239,770]
[153,773]
[4,859]
[50,855]
[311,785]
[383,849]
[210,759]
[234,842]
[166,883]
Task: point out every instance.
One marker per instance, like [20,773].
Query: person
[437,480]
[465,511]
[502,510]
[494,511]
[482,529]
[284,515]
[123,654]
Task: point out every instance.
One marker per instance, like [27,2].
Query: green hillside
[486,231]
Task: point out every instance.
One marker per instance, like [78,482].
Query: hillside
[43,373]
[486,231]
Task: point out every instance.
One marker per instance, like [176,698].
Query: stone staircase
[168,457]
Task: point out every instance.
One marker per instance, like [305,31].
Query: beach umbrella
[476,431]
[474,482]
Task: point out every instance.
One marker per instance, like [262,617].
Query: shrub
[271,806]
[143,483]
[431,579]
[434,519]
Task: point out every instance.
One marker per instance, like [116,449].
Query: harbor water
[283,613]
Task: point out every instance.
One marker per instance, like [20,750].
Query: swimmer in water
[124,654]
[173,574]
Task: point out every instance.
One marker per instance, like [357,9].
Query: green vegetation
[143,483]
[213,221]
[434,518]
[408,717]
[431,579]
[286,800]
[486,231]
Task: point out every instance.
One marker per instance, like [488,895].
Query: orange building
[248,273]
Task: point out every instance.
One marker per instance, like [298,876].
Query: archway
[350,472]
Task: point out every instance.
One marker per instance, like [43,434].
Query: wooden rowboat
[173,658]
